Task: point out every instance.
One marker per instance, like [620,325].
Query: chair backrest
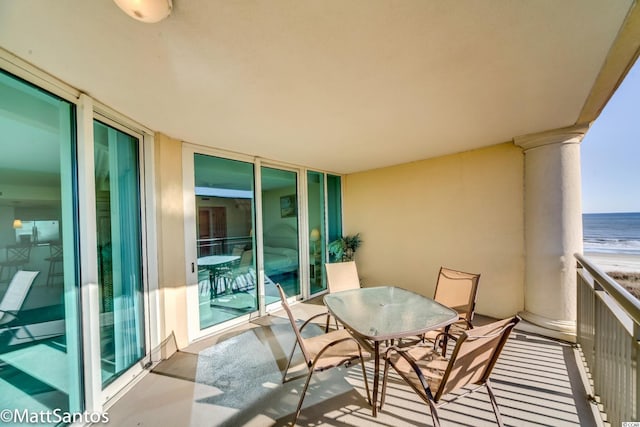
[474,356]
[246,259]
[55,250]
[457,290]
[342,276]
[16,294]
[287,309]
[19,253]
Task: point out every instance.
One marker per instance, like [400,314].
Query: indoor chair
[17,256]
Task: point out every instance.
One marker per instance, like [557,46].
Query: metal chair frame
[338,351]
[471,363]
[447,292]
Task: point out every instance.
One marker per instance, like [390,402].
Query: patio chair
[322,352]
[341,276]
[432,376]
[457,290]
[19,326]
[15,295]
[239,280]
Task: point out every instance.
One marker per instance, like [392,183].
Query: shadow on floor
[235,379]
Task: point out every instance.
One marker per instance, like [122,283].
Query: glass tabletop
[387,312]
[213,260]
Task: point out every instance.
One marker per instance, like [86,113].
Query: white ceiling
[339,85]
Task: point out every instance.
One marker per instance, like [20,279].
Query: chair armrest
[311,318]
[411,361]
[12,314]
[336,342]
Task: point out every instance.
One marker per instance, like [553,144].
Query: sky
[610,152]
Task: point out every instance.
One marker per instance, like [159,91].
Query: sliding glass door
[224,209]
[244,234]
[280,232]
[40,365]
[119,238]
[334,209]
[317,233]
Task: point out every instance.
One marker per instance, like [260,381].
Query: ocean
[617,233]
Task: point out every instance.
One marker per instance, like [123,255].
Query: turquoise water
[612,233]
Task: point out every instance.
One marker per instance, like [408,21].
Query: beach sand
[625,269]
[615,262]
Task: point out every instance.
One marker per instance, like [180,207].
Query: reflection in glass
[334,209]
[119,250]
[224,225]
[317,242]
[280,232]
[40,366]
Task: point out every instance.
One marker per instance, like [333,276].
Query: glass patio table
[386,313]
[215,264]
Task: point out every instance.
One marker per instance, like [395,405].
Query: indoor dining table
[378,314]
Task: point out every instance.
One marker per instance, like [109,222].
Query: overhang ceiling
[338,85]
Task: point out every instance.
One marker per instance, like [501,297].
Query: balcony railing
[221,245]
[608,331]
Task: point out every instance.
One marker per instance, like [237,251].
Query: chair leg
[364,375]
[326,328]
[50,275]
[444,343]
[284,374]
[434,413]
[385,377]
[304,392]
[494,403]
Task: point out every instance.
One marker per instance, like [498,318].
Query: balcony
[608,331]
[234,379]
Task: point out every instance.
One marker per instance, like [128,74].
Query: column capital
[568,135]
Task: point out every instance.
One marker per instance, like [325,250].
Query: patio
[537,382]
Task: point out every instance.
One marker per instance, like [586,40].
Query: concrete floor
[234,379]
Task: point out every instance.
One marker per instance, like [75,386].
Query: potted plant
[344,248]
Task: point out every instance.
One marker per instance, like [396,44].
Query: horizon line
[616,212]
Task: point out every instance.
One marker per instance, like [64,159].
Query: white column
[553,228]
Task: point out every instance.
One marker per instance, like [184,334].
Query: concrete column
[553,228]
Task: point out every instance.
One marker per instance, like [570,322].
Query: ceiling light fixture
[149,11]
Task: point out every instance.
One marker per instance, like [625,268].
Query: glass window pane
[119,250]
[224,226]
[334,208]
[317,241]
[280,232]
[40,367]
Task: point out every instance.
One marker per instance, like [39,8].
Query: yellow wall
[463,211]
[171,259]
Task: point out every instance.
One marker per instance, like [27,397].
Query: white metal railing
[608,331]
[221,245]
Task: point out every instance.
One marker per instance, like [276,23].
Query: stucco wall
[170,222]
[463,211]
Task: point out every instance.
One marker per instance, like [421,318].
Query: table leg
[376,376]
[211,285]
